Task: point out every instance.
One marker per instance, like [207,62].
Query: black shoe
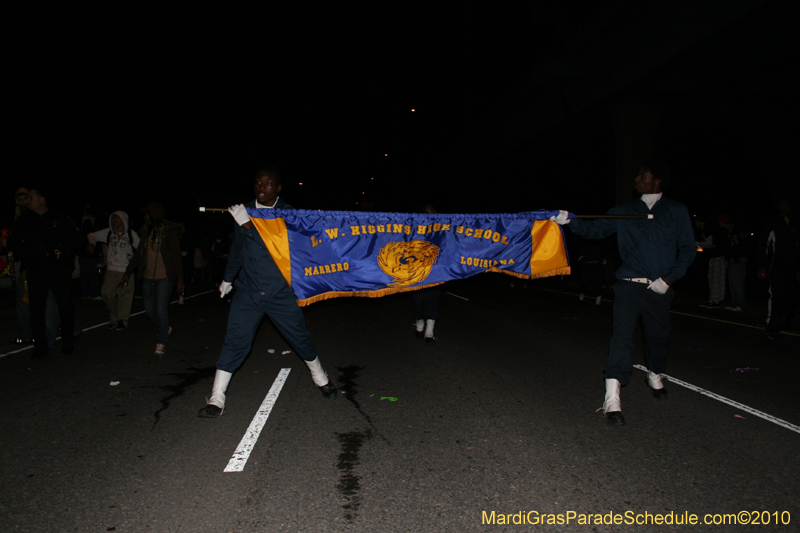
[112,325]
[120,326]
[430,340]
[615,418]
[329,391]
[210,411]
[19,340]
[419,334]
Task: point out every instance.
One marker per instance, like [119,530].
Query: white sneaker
[160,349]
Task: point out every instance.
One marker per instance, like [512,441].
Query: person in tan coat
[160,270]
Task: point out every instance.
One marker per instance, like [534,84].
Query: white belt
[638,280]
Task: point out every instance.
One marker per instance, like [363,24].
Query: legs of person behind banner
[247,310]
[426,312]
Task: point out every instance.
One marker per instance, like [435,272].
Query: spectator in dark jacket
[46,240]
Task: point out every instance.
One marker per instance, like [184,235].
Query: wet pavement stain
[186,379]
[349,482]
[348,385]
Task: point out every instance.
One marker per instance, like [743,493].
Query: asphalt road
[498,417]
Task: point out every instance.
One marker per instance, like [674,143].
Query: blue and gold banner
[328,254]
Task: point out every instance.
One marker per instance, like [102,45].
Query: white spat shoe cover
[221,380]
[612,402]
[317,373]
[655,380]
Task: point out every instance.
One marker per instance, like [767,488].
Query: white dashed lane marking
[242,453]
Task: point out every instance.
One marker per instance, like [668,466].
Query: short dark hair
[41,191]
[272,169]
[659,170]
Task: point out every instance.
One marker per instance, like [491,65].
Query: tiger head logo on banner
[407,263]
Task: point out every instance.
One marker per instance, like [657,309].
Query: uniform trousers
[426,303]
[633,301]
[247,310]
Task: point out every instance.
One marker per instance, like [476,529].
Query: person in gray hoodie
[121,242]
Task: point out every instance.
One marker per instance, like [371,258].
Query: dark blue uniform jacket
[249,257]
[663,247]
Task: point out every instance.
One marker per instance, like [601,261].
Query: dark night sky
[120,106]
[180,105]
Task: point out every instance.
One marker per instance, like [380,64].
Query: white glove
[239,213]
[224,288]
[660,286]
[562,218]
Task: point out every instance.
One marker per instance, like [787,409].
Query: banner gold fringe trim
[369,294]
[563,271]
